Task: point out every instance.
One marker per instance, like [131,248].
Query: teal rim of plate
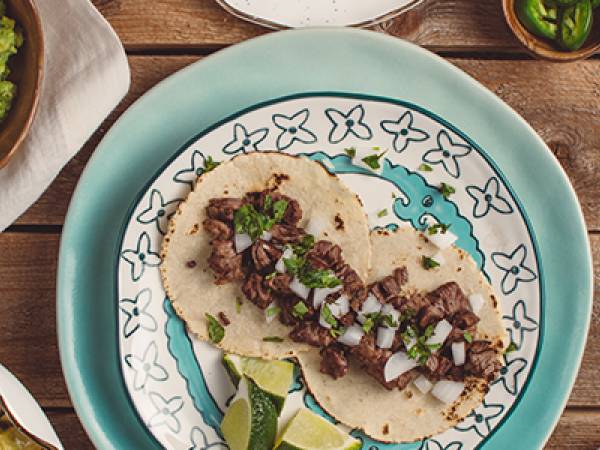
[90,237]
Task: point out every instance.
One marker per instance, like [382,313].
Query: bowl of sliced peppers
[557,30]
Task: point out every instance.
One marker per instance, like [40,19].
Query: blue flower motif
[292,129]
[403,131]
[350,123]
[158,211]
[514,267]
[166,411]
[447,154]
[200,441]
[190,174]
[141,257]
[481,419]
[243,141]
[135,310]
[520,323]
[432,444]
[510,375]
[487,198]
[146,367]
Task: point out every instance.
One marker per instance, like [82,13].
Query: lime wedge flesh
[273,377]
[250,423]
[309,431]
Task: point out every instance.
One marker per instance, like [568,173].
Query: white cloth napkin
[86,76]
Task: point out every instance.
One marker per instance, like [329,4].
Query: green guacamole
[10,40]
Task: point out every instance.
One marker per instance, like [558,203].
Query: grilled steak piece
[223,208]
[333,361]
[429,315]
[437,366]
[390,285]
[286,234]
[280,283]
[482,360]
[325,255]
[225,262]
[465,319]
[264,254]
[217,229]
[255,291]
[451,297]
[311,333]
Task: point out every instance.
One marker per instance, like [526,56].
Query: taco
[415,300]
[226,244]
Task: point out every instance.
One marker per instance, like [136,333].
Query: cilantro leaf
[337,332]
[351,152]
[327,316]
[441,227]
[216,332]
[425,168]
[238,305]
[319,278]
[468,337]
[272,339]
[382,213]
[210,164]
[446,190]
[429,263]
[307,242]
[389,321]
[373,161]
[273,311]
[299,310]
[511,348]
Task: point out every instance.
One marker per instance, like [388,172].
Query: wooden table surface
[562,102]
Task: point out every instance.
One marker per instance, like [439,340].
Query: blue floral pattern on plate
[177,384]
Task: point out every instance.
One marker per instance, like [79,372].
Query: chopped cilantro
[429,263]
[298,266]
[382,213]
[441,227]
[394,195]
[511,348]
[425,168]
[407,315]
[446,190]
[307,242]
[351,152]
[428,331]
[300,310]
[319,278]
[372,319]
[373,161]
[389,321]
[272,339]
[271,276]
[210,164]
[216,332]
[327,316]
[273,311]
[238,305]
[468,337]
[420,350]
[248,220]
[337,332]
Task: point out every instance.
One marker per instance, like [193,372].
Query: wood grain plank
[565,111]
[200,24]
[578,430]
[27,270]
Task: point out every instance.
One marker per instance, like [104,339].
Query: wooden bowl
[545,49]
[27,68]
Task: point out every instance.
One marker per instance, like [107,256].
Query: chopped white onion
[476,301]
[458,353]
[242,242]
[439,258]
[371,305]
[385,337]
[398,364]
[448,391]
[320,294]
[280,265]
[269,318]
[440,332]
[423,384]
[442,240]
[266,236]
[352,336]
[389,310]
[299,289]
[343,304]
[315,226]
[335,310]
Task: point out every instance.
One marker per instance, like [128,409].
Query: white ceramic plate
[314,13]
[178,385]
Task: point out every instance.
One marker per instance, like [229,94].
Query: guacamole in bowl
[11,38]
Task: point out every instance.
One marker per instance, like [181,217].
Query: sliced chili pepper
[540,17]
[575,25]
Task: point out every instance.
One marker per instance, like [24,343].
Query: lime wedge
[309,431]
[273,377]
[250,423]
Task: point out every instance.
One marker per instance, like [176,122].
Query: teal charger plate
[279,65]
